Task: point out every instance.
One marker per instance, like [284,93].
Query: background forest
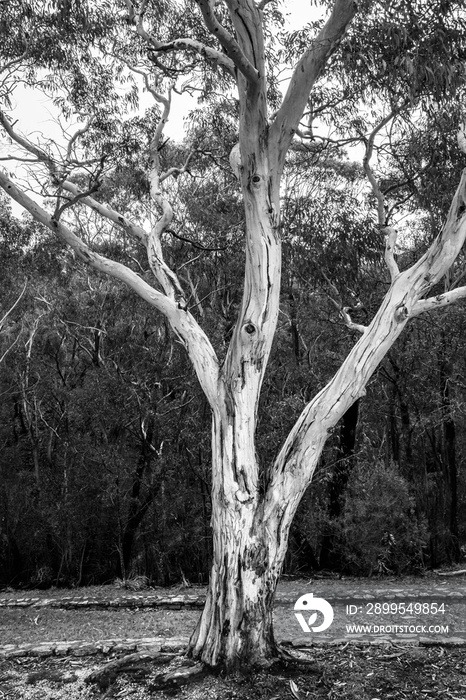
[105,465]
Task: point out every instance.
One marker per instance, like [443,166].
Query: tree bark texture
[235,628]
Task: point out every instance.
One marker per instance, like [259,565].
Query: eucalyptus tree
[404,56]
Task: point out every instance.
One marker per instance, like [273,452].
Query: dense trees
[113,171]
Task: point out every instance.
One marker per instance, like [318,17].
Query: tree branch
[183,44]
[296,461]
[389,232]
[462,136]
[103,209]
[107,212]
[390,243]
[3,321]
[306,72]
[175,172]
[27,145]
[212,55]
[11,309]
[344,312]
[230,45]
[75,137]
[438,302]
[381,215]
[184,325]
[165,276]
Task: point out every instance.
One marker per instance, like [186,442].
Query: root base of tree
[131,663]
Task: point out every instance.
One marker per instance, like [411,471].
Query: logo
[307,603]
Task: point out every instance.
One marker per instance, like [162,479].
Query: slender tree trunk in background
[294,328]
[393,438]
[137,511]
[139,504]
[339,481]
[450,469]
[404,453]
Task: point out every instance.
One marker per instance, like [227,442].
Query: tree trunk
[139,504]
[403,456]
[235,628]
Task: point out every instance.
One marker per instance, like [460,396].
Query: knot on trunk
[401,313]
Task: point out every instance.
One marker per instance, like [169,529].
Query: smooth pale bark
[236,625]
[235,628]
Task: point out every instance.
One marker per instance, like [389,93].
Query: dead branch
[450,573]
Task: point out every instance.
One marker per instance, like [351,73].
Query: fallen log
[450,573]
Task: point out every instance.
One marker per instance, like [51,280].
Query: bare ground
[347,672]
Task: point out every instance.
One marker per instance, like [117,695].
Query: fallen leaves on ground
[352,672]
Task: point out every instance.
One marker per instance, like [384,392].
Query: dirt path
[431,608]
